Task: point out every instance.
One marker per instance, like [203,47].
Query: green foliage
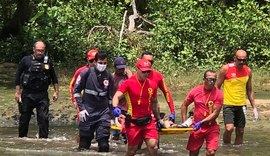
[66,26]
[188,35]
[194,34]
[14,48]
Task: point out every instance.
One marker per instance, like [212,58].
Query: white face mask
[101,67]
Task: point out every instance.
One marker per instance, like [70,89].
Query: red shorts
[136,134]
[208,133]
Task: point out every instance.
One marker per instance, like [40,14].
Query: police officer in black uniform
[33,76]
[97,86]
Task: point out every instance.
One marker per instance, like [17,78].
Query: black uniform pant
[102,130]
[40,101]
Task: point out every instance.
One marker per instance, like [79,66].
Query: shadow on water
[62,141]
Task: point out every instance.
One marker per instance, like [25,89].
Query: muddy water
[62,142]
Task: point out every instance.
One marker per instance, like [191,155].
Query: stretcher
[164,131]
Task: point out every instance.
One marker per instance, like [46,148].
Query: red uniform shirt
[158,78]
[138,96]
[204,101]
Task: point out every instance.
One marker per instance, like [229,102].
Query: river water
[62,142]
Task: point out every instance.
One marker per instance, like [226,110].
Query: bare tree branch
[131,26]
[134,8]
[122,28]
[147,21]
[106,27]
[133,17]
[144,32]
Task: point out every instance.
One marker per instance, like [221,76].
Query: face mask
[101,67]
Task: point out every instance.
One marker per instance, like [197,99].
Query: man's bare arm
[250,92]
[116,97]
[221,76]
[184,108]
[213,115]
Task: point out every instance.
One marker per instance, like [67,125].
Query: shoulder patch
[106,83]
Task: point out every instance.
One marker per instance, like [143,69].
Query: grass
[63,110]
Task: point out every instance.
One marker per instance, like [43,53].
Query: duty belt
[95,93]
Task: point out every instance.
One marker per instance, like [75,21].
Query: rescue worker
[90,63]
[159,79]
[208,102]
[33,77]
[141,95]
[95,116]
[121,73]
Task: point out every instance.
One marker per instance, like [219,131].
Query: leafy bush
[188,35]
[194,34]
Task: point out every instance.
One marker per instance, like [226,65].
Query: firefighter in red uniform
[159,79]
[208,101]
[141,96]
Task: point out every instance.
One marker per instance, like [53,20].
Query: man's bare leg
[239,135]
[152,146]
[228,133]
[132,150]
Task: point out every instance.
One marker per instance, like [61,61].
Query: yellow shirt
[235,85]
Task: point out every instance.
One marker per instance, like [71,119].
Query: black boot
[85,143]
[103,144]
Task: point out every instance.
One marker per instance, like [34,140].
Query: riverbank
[63,112]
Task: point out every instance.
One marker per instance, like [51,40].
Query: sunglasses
[212,80]
[241,60]
[144,72]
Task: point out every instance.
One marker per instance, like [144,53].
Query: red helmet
[91,54]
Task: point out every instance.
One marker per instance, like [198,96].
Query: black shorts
[234,115]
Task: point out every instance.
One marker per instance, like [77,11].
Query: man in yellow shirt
[236,78]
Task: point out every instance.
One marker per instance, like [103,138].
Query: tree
[14,26]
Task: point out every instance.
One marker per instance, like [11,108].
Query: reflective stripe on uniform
[77,95]
[95,93]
